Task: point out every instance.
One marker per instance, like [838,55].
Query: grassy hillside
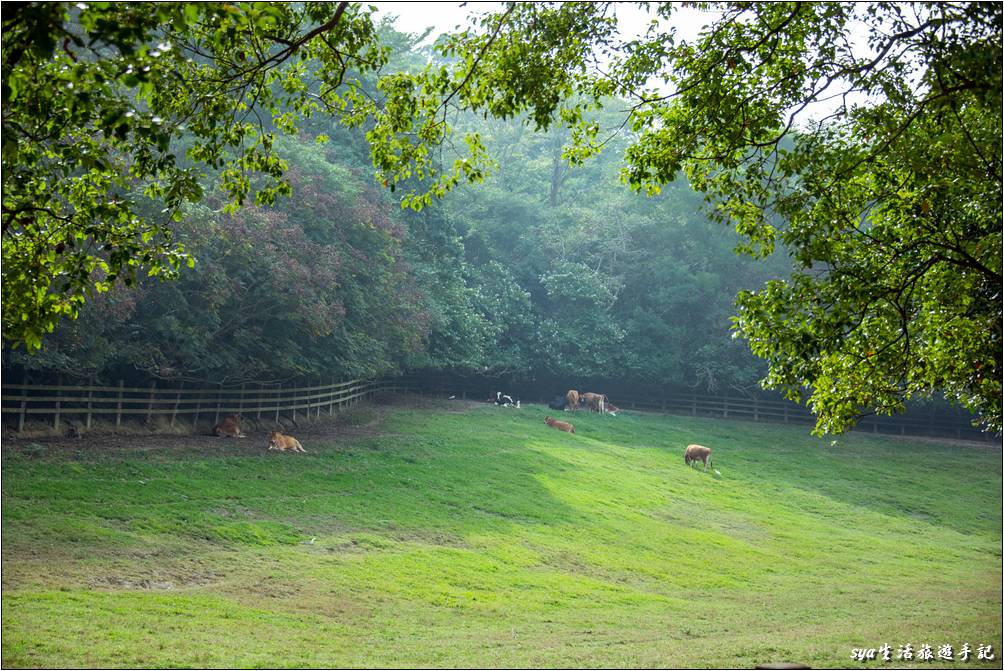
[451,535]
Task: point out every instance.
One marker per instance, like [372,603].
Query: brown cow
[572,397]
[612,409]
[558,424]
[595,402]
[229,427]
[282,442]
[698,452]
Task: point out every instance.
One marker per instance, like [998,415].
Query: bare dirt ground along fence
[63,406]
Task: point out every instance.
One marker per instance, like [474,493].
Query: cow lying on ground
[229,427]
[559,403]
[572,400]
[698,452]
[612,409]
[558,424]
[283,443]
[505,400]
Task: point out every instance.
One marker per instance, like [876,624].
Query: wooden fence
[85,403]
[939,423]
[82,404]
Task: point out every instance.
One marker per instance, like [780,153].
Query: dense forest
[543,268]
[258,191]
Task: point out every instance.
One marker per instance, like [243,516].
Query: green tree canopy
[890,204]
[108,106]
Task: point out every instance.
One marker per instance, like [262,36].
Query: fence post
[149,406]
[240,403]
[331,398]
[219,401]
[278,401]
[118,415]
[295,387]
[693,405]
[59,385]
[756,409]
[198,408]
[24,406]
[177,400]
[725,407]
[786,413]
[24,402]
[261,395]
[90,395]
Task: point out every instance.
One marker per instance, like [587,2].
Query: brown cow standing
[698,452]
[558,424]
[573,399]
[595,402]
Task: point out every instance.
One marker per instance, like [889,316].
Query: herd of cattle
[230,426]
[573,400]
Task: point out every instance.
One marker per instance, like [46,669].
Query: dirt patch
[156,583]
[362,421]
[165,570]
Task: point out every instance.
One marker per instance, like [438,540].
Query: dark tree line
[507,277]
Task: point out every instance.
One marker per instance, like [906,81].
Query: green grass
[484,538]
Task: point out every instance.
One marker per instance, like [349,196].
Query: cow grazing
[558,424]
[612,409]
[229,427]
[572,399]
[698,452]
[595,402]
[558,403]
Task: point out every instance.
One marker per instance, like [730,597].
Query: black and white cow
[505,400]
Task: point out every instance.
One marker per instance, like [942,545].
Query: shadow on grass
[429,478]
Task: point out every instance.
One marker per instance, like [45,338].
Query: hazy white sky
[414,17]
[443,16]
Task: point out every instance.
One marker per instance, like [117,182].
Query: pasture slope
[445,534]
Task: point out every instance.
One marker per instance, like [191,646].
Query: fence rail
[84,403]
[88,402]
[758,409]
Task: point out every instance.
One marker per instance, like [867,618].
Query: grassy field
[454,535]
